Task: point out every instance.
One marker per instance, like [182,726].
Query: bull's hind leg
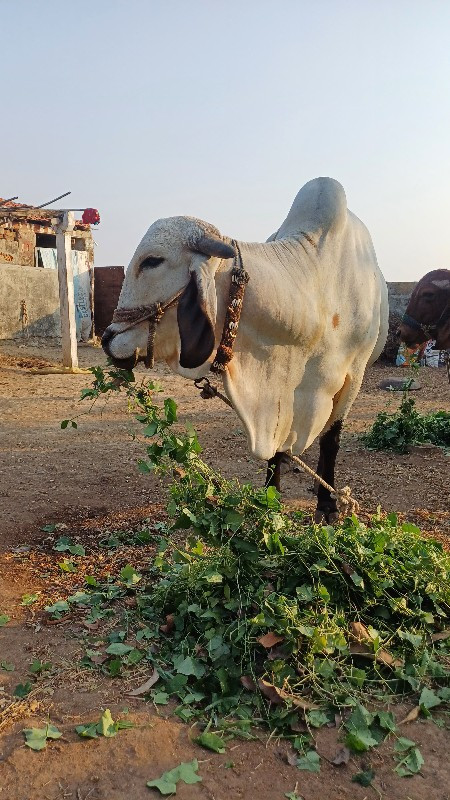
[326,510]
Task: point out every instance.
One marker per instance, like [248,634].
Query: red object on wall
[90,216]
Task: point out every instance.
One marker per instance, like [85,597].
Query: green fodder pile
[257,614]
[407,427]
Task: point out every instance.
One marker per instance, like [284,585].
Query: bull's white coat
[315,313]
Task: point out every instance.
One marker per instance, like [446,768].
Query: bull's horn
[214,247]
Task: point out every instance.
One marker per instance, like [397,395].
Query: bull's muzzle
[120,363]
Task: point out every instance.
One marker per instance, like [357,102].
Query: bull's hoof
[327,516]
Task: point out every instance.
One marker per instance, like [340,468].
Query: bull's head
[177,256]
[428,312]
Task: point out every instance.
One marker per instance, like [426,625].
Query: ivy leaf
[188,666]
[403,744]
[129,575]
[87,731]
[67,566]
[411,764]
[234,520]
[170,408]
[160,698]
[22,690]
[37,667]
[428,699]
[36,738]
[364,778]
[386,720]
[28,599]
[415,640]
[53,733]
[317,718]
[211,741]
[357,580]
[359,736]
[107,727]
[58,609]
[167,783]
[119,649]
[310,761]
[77,550]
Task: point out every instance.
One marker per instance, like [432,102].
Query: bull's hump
[320,206]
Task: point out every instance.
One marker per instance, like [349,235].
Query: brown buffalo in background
[427,315]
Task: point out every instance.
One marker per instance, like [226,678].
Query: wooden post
[66,292]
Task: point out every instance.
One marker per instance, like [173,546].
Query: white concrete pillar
[66,291]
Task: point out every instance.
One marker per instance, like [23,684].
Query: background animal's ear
[195,325]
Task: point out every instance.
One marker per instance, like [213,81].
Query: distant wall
[107,285]
[399,294]
[39,289]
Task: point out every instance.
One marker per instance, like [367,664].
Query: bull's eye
[427,295]
[151,262]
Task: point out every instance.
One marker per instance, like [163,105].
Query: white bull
[315,314]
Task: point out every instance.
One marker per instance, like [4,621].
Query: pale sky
[223,109]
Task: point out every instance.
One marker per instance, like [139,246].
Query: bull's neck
[279,272]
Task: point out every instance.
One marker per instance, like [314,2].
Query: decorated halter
[429,331]
[239,280]
[155,312]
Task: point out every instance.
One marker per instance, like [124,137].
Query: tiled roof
[11,204]
[39,215]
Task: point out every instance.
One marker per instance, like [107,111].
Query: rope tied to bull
[347,504]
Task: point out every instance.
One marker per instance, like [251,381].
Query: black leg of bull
[327,510]
[319,471]
[274,471]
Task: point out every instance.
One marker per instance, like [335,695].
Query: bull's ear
[195,326]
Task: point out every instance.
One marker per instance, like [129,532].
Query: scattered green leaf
[167,783]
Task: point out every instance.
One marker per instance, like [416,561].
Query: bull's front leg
[274,471]
[327,510]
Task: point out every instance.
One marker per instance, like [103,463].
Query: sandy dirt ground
[86,479]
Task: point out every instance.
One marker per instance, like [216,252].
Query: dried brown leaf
[277,653]
[291,758]
[248,683]
[440,637]
[360,646]
[98,658]
[154,677]
[270,639]
[278,696]
[359,632]
[342,757]
[412,716]
[385,658]
[170,622]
